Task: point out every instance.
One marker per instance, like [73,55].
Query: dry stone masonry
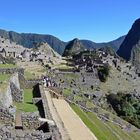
[7,115]
[30,121]
[7,133]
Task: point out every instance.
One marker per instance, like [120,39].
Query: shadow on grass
[29,103]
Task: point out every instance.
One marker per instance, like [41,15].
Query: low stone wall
[11,70]
[27,83]
[30,121]
[7,115]
[16,92]
[45,104]
[7,133]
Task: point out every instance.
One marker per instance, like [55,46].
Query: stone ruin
[25,126]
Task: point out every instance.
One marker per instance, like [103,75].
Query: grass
[4,77]
[89,104]
[78,98]
[29,75]
[27,105]
[3,81]
[66,92]
[7,66]
[120,132]
[104,131]
[88,123]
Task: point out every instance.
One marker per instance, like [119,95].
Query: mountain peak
[131,41]
[74,46]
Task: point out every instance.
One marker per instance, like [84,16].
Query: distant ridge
[29,39]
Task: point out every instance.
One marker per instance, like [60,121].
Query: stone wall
[30,121]
[45,104]
[27,83]
[53,129]
[16,92]
[74,80]
[11,70]
[7,115]
[7,133]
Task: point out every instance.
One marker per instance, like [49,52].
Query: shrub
[103,73]
[126,106]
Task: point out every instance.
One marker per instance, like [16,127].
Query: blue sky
[96,20]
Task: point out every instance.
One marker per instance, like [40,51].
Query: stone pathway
[73,124]
[56,117]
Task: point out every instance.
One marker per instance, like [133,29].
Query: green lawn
[7,66]
[104,131]
[27,105]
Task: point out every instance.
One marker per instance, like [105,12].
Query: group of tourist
[48,82]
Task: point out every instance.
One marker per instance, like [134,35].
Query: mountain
[78,45]
[130,48]
[73,47]
[28,40]
[46,49]
[115,44]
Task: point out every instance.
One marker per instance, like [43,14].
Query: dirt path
[74,125]
[56,117]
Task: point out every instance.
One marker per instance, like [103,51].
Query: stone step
[18,123]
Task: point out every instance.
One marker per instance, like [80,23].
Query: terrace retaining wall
[11,70]
[30,121]
[27,83]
